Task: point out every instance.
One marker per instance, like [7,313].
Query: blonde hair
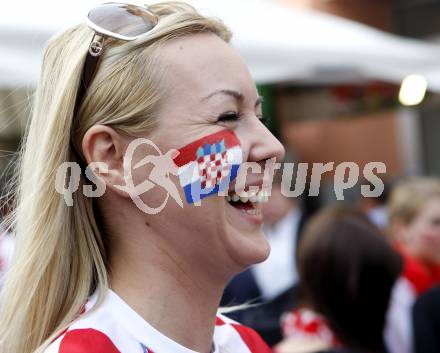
[409,196]
[60,251]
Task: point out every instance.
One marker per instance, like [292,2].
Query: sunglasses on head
[121,21]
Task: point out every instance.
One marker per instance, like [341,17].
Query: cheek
[204,221]
[201,231]
[430,235]
[208,165]
[425,237]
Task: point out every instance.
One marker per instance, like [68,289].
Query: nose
[264,145]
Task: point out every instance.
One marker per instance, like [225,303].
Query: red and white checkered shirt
[113,327]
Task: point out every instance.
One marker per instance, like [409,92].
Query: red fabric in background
[419,274]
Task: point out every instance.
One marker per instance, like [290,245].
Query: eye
[228,117]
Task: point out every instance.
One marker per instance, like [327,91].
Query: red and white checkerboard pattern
[113,327]
[213,168]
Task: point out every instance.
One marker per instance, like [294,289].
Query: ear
[103,144]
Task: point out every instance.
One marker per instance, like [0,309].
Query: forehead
[196,65]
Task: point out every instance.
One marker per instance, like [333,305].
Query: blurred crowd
[358,277]
[361,277]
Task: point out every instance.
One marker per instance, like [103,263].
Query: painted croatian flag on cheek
[207,166]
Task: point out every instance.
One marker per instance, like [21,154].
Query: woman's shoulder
[112,327]
[101,335]
[95,332]
[234,337]
[83,340]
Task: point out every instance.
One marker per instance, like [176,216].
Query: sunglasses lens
[122,19]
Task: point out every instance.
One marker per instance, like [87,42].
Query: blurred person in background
[414,211]
[426,322]
[101,274]
[272,284]
[347,270]
[376,207]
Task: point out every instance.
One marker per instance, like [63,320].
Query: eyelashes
[231,116]
[228,117]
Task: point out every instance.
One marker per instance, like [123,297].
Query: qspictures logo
[208,167]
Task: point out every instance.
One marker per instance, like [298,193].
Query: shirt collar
[137,326]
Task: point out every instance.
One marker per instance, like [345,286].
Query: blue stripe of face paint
[195,193]
[206,149]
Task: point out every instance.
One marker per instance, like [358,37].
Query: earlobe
[103,145]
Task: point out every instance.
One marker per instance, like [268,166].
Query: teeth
[254,197]
[253,211]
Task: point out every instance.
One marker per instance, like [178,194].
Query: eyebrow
[235,94]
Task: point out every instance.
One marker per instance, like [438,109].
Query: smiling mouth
[247,201]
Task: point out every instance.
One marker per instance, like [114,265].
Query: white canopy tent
[279,43]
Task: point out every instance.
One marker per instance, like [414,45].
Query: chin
[246,250]
[244,235]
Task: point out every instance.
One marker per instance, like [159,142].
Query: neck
[170,294]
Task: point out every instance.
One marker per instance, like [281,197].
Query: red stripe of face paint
[188,153]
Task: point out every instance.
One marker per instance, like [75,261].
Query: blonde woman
[414,212]
[103,275]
